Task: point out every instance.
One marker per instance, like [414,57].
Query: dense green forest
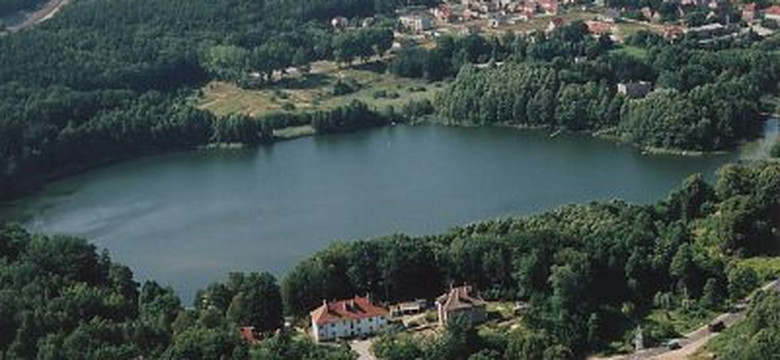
[706,98]
[758,337]
[106,80]
[591,273]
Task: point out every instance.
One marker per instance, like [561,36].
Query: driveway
[363,349]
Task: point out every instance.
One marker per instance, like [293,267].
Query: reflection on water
[186,219]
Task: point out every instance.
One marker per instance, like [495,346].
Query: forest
[108,80]
[705,99]
[590,272]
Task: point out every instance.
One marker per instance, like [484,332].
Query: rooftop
[350,309]
[459,298]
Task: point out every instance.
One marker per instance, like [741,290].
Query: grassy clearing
[315,92]
[767,268]
[681,321]
[634,51]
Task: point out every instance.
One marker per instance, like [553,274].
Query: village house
[598,28]
[409,308]
[347,318]
[554,24]
[611,15]
[749,12]
[772,13]
[672,32]
[339,23]
[417,23]
[249,334]
[497,20]
[461,303]
[443,12]
[549,6]
[709,30]
[634,89]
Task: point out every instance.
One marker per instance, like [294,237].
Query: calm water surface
[186,219]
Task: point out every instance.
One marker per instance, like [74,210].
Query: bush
[346,86]
[288,106]
[775,151]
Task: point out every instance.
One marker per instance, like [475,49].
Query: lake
[187,219]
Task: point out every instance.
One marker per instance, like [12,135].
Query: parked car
[716,326]
[673,344]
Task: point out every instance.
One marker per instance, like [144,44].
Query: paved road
[694,340]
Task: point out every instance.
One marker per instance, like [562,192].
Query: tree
[741,281]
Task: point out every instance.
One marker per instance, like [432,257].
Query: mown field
[315,91]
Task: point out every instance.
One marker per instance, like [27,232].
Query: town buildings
[347,318]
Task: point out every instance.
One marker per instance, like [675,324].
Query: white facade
[347,328]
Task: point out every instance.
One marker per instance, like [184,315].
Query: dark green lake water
[186,219]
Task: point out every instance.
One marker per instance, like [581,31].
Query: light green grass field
[313,92]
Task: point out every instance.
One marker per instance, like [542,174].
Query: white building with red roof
[346,319]
[772,13]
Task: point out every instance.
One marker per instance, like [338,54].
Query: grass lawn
[767,268]
[682,321]
[315,91]
[634,51]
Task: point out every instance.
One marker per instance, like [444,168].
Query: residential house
[611,15]
[497,20]
[709,30]
[672,32]
[637,89]
[409,307]
[461,303]
[417,23]
[249,334]
[443,12]
[749,12]
[554,24]
[550,7]
[339,23]
[772,13]
[647,12]
[347,318]
[598,28]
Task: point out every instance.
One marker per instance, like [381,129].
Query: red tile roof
[248,334]
[774,10]
[351,309]
[599,27]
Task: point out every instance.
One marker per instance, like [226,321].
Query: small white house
[347,319]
